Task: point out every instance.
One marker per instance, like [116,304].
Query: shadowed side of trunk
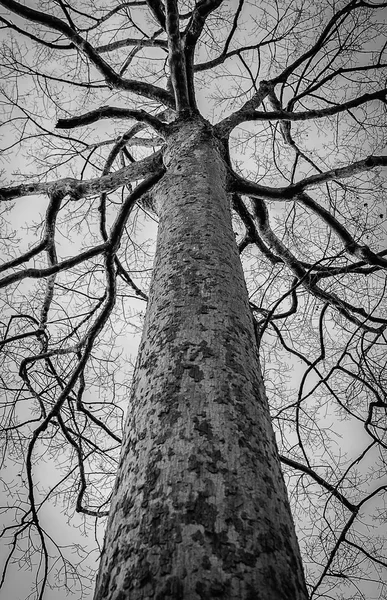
[199,508]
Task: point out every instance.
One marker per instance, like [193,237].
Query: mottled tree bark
[200,508]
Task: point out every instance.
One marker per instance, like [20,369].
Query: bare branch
[244,186]
[177,58]
[344,12]
[77,189]
[350,244]
[157,9]
[319,113]
[111,77]
[316,477]
[143,43]
[191,35]
[113,112]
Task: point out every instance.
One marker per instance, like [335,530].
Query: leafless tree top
[295,93]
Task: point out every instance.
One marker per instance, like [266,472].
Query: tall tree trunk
[200,508]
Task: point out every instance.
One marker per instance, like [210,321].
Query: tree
[257,139]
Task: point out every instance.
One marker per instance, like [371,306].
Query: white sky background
[33,208]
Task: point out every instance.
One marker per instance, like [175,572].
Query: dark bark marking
[215,589]
[203,427]
[173,590]
[202,512]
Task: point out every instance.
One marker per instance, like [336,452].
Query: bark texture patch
[200,510]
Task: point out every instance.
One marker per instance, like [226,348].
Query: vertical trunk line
[200,508]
